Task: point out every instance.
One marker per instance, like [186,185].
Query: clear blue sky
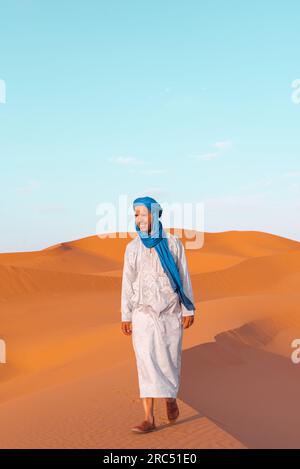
[185,101]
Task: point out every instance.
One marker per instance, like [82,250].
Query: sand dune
[70,378]
[62,258]
[278,273]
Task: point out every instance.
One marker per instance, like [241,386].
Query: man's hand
[127,327]
[187,321]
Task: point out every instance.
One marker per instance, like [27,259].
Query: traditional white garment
[150,303]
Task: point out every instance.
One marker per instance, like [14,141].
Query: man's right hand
[127,327]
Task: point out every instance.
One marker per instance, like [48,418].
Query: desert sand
[70,378]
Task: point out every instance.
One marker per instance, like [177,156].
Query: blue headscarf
[158,240]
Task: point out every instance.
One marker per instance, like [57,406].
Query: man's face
[143,218]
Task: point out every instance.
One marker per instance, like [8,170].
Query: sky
[192,102]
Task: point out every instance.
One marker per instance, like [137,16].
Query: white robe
[150,303]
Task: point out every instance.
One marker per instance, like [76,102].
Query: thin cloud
[292,174]
[205,156]
[126,160]
[294,188]
[223,145]
[29,187]
[151,172]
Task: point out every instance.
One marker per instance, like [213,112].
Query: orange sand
[70,379]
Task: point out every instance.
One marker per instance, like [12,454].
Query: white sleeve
[185,278]
[128,277]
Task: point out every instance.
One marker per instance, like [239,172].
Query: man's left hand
[187,321]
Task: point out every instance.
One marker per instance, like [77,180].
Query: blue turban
[158,240]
